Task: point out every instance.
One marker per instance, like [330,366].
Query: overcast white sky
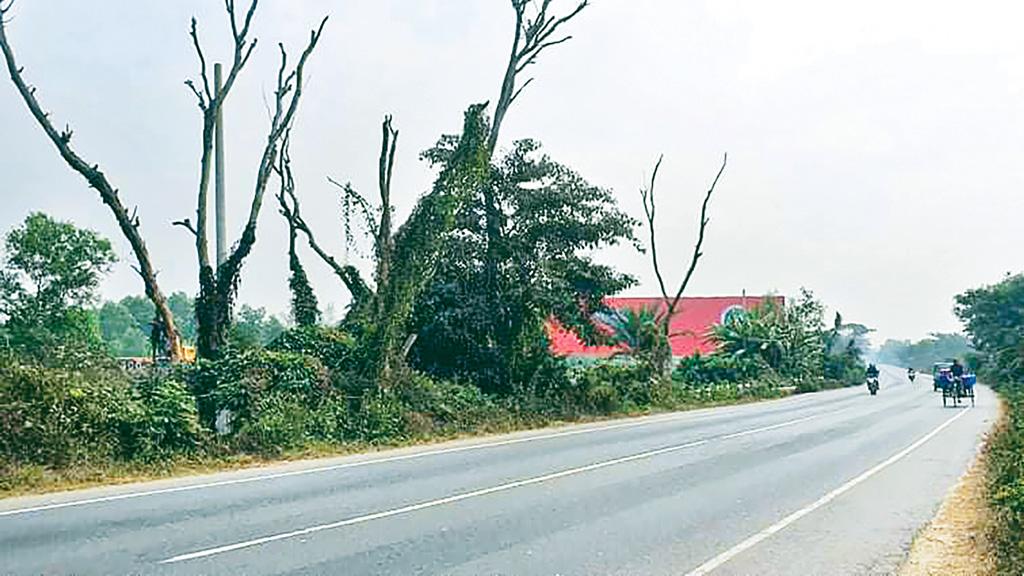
[874,147]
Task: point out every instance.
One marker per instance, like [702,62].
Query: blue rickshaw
[956,389]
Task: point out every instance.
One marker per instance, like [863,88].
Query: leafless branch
[700,240]
[289,89]
[128,223]
[206,95]
[186,223]
[532,36]
[647,197]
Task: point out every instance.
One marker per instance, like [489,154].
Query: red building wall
[690,325]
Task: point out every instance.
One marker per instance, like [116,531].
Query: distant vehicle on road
[940,371]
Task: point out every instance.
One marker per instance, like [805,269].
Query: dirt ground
[954,543]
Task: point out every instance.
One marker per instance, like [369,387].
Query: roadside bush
[334,348]
[1005,460]
[703,370]
[277,422]
[443,405]
[379,419]
[58,416]
[239,380]
[165,420]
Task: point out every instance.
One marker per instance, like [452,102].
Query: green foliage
[698,370]
[121,332]
[51,271]
[62,417]
[483,317]
[305,309]
[1005,462]
[253,328]
[641,334]
[334,348]
[164,417]
[51,266]
[442,406]
[417,247]
[922,354]
[240,379]
[993,316]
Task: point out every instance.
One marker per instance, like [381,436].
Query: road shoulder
[955,542]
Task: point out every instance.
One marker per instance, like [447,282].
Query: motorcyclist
[872,371]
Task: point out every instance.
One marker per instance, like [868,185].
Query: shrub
[332,347]
[58,416]
[166,420]
[277,422]
[445,405]
[1005,461]
[698,370]
[380,419]
[239,379]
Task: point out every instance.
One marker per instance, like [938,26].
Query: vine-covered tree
[406,260]
[305,310]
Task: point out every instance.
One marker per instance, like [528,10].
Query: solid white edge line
[754,540]
[475,493]
[385,460]
[305,471]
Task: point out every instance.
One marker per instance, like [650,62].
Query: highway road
[830,483]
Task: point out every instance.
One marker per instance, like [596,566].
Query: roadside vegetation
[994,318]
[446,335]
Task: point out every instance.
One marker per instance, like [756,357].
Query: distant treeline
[922,354]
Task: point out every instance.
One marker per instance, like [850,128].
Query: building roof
[690,325]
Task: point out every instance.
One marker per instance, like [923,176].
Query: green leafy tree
[121,332]
[254,327]
[135,340]
[50,274]
[993,316]
[549,219]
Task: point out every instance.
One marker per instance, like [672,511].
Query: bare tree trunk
[217,288]
[128,223]
[663,358]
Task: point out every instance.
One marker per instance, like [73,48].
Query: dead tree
[218,286]
[533,33]
[127,222]
[664,318]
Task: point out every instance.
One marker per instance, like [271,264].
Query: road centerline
[482,492]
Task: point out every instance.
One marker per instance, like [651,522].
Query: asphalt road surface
[830,483]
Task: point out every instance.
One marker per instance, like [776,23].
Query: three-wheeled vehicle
[955,389]
[940,370]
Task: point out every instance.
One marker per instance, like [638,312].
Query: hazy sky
[875,147]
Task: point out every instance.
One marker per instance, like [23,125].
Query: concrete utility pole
[218,167]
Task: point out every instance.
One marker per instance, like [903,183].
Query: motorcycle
[873,385]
